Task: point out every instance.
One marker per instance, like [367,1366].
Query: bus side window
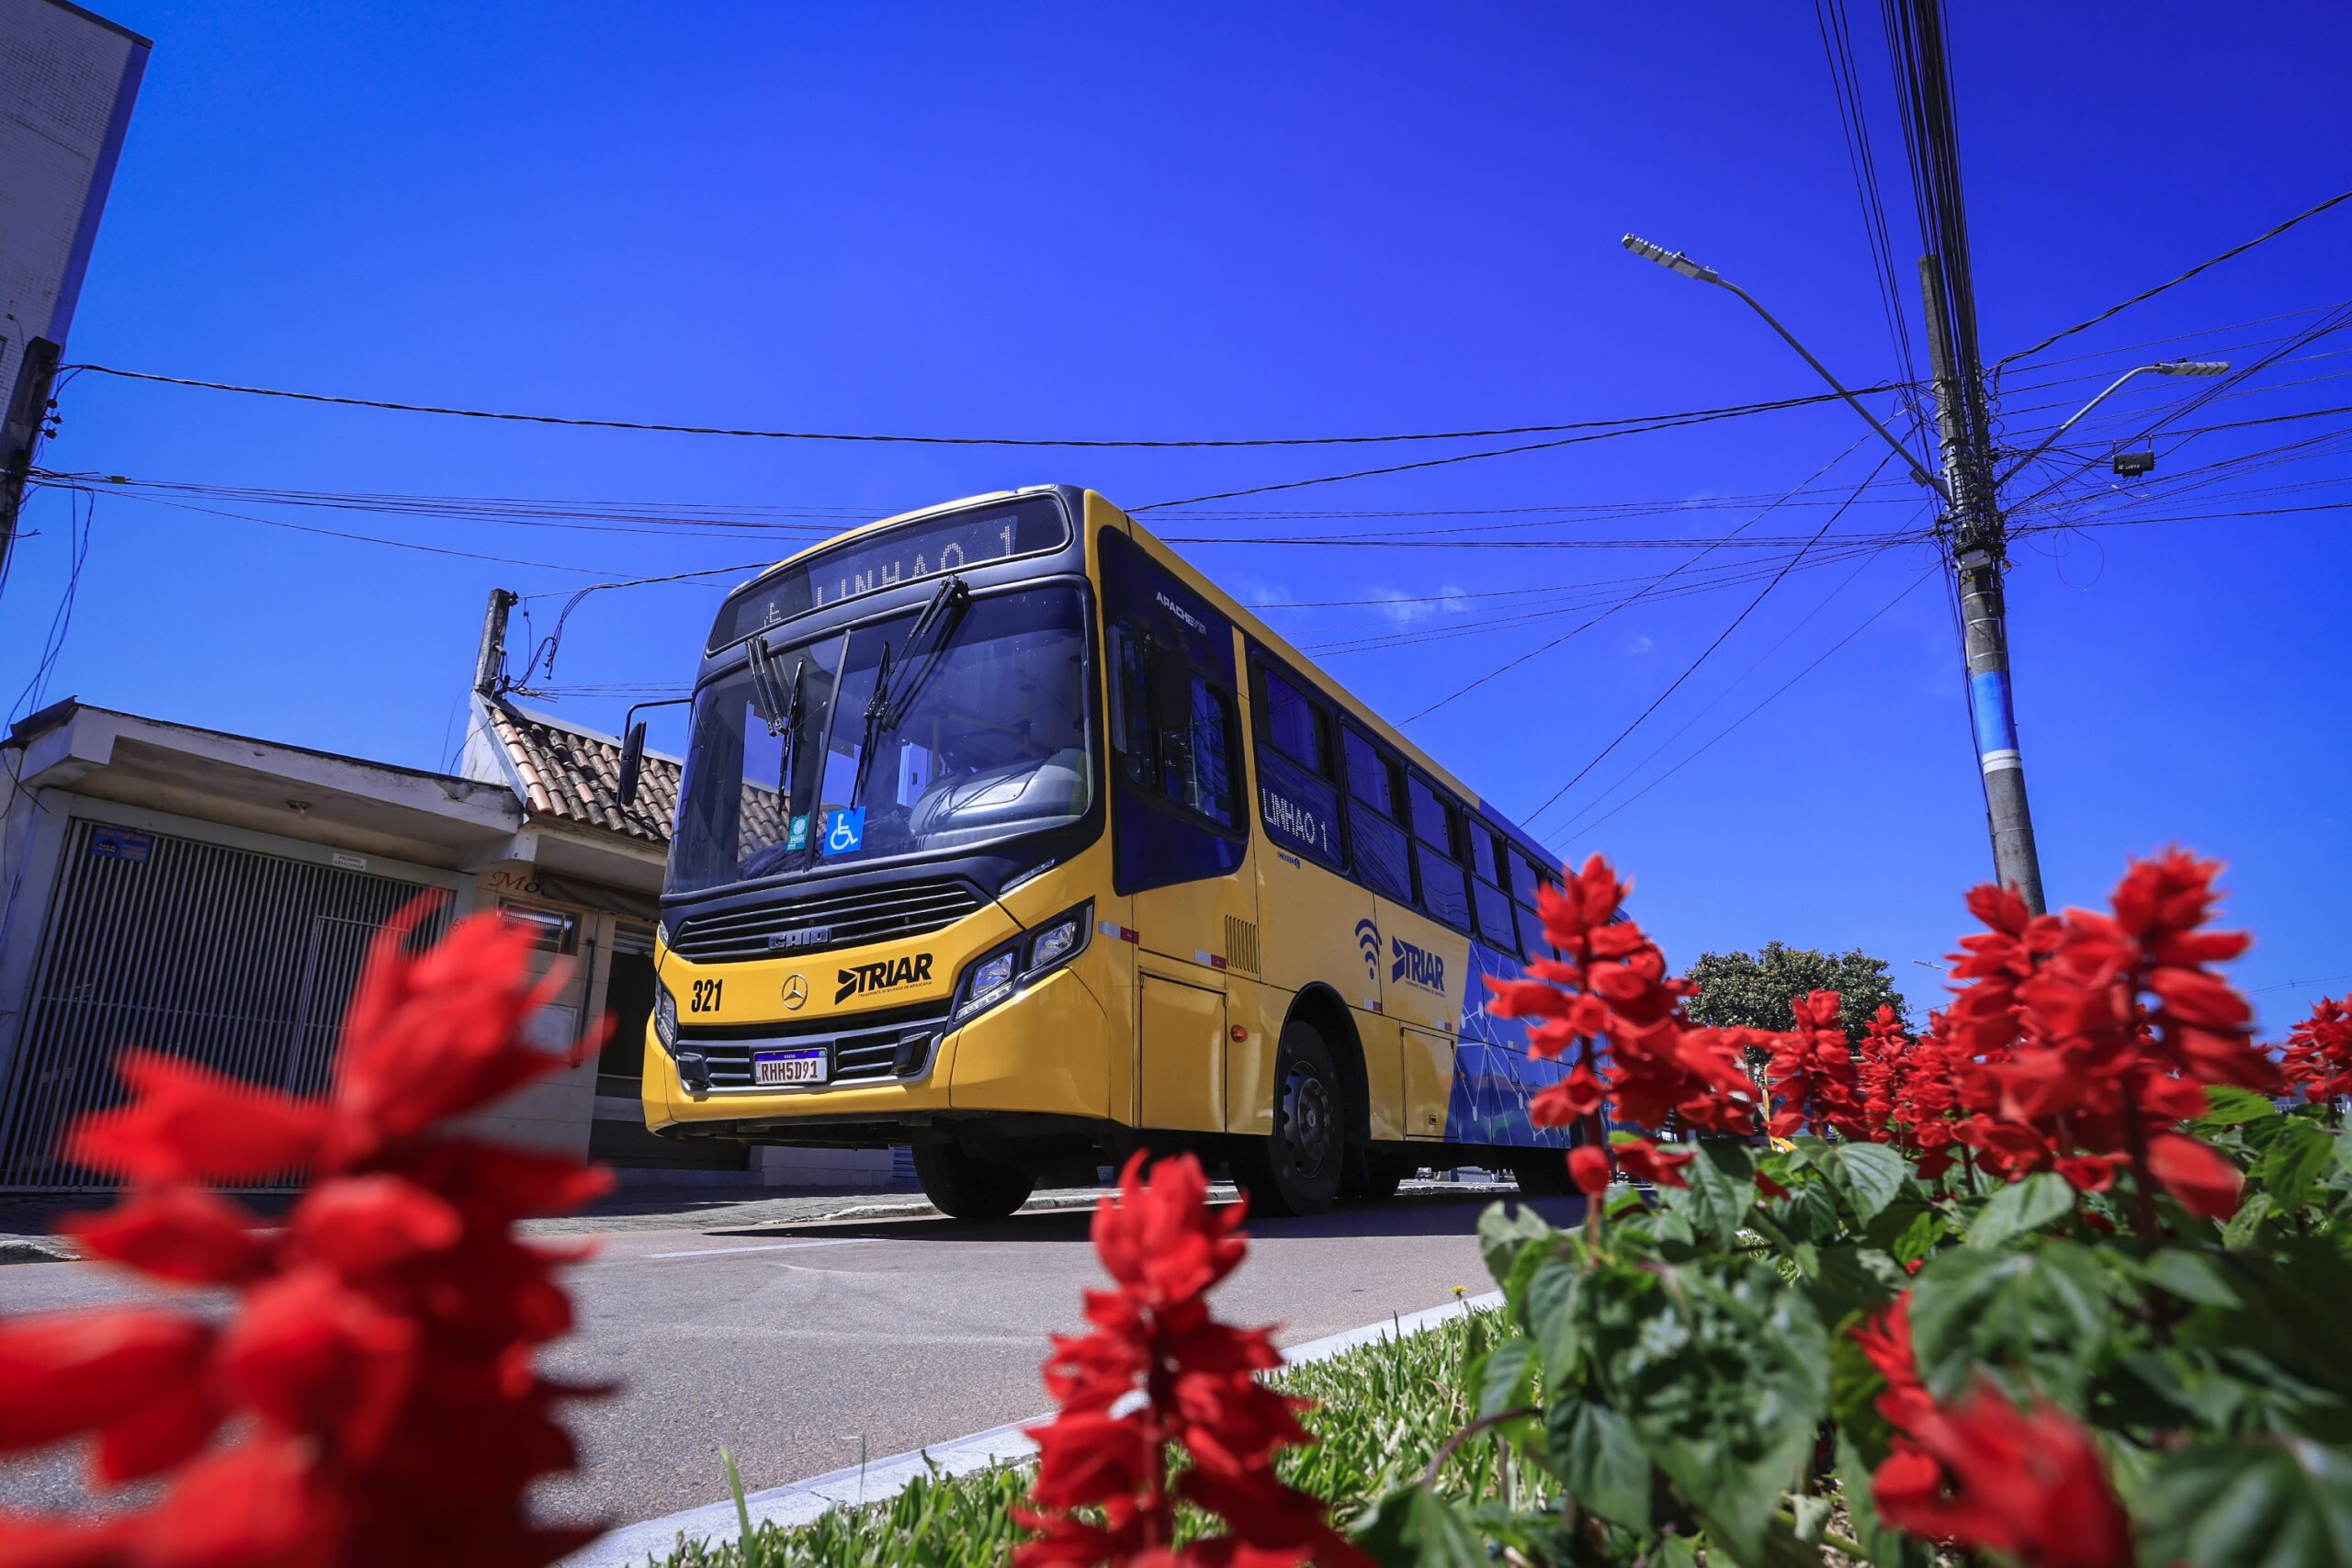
[1174,732]
[1297,779]
[1380,852]
[1131,710]
[1437,855]
[1202,777]
[1489,901]
[1526,876]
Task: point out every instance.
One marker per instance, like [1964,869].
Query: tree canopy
[1753,990]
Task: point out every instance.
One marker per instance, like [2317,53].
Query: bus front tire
[964,1186]
[1294,1169]
[1544,1174]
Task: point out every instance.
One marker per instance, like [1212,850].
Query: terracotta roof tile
[571,774]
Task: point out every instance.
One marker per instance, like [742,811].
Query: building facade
[212,895]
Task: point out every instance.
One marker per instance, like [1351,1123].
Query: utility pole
[20,433]
[1979,554]
[490,664]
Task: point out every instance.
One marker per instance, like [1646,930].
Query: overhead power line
[1663,578]
[1668,422]
[1774,697]
[660,427]
[1692,668]
[2145,294]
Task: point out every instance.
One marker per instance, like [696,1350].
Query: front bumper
[1044,1051]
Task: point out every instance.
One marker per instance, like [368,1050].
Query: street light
[1675,261]
[2162,368]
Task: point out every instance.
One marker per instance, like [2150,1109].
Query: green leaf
[1598,1458]
[1507,1380]
[1810,1213]
[2044,1312]
[2247,1222]
[742,1513]
[2229,1106]
[1812,1516]
[2191,1275]
[1918,1237]
[1722,1369]
[2294,1161]
[1504,1232]
[1868,1175]
[1861,1278]
[1414,1528]
[1676,1551]
[2021,1207]
[1552,1322]
[2278,1503]
[1722,1190]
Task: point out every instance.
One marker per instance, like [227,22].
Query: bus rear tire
[1294,1169]
[963,1187]
[1543,1174]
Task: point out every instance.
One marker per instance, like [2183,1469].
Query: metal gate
[238,959]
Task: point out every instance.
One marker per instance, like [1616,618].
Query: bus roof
[1098,511]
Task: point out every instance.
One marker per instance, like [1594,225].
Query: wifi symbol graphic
[1368,939]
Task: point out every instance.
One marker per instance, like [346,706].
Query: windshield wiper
[887,707]
[772,706]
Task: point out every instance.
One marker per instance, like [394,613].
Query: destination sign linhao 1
[933,548]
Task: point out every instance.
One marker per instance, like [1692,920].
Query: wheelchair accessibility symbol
[845,831]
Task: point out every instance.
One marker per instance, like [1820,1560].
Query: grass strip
[1380,1411]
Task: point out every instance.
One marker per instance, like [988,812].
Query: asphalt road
[802,1347]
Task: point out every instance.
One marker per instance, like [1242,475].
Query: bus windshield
[982,736]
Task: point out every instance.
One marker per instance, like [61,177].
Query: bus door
[1321,923]
[1429,968]
[1180,832]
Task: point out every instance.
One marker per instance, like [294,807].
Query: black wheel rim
[1308,1133]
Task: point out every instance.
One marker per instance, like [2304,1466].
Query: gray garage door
[238,959]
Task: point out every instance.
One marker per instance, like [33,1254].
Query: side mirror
[632,765]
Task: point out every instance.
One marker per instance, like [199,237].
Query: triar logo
[1416,967]
[1368,939]
[882,977]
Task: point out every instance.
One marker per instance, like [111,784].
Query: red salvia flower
[1985,1476]
[1884,1046]
[377,1375]
[2319,1052]
[1813,1074]
[2079,1042]
[1165,1248]
[1607,1005]
[1644,1161]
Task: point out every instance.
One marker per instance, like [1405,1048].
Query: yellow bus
[1005,834]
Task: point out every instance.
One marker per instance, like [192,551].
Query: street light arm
[2176,368]
[1676,261]
[1918,471]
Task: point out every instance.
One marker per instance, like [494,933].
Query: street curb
[883,1479]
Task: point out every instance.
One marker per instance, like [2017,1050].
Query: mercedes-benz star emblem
[796,991]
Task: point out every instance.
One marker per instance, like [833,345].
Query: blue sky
[1201,222]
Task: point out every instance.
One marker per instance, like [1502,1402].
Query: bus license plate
[788,1067]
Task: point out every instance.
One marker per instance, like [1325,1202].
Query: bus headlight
[1055,942]
[996,975]
[666,1018]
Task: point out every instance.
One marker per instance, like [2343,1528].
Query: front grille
[823,921]
[863,1046]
